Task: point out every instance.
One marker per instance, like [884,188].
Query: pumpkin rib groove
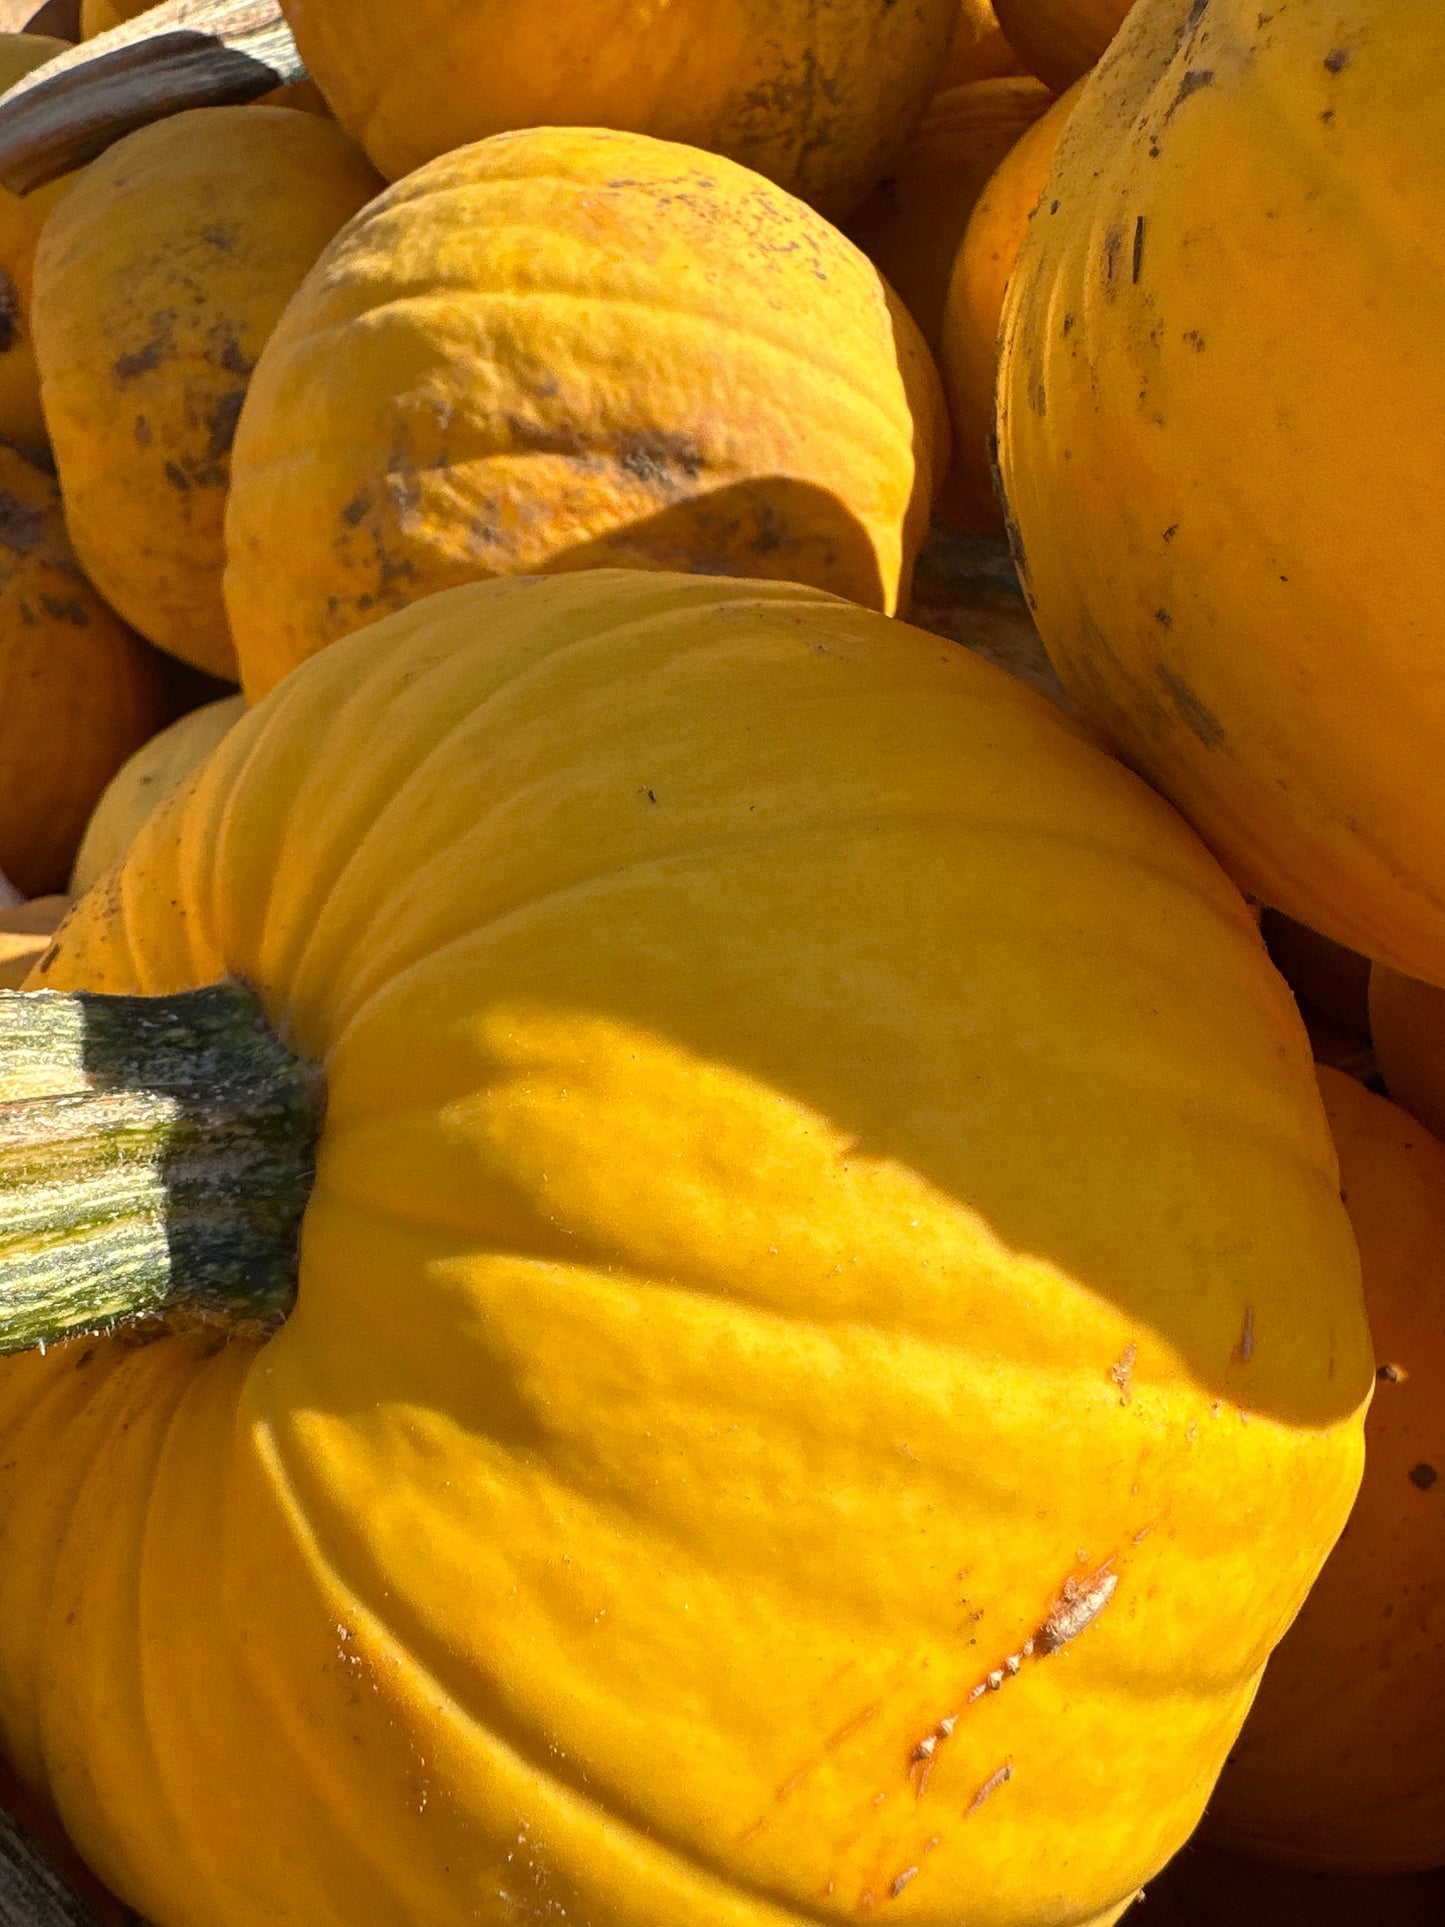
[641,1835]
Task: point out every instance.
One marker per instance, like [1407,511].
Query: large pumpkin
[1340,1767]
[1221,409]
[22,420]
[572,349]
[157,282]
[78,691]
[817,98]
[827,1347]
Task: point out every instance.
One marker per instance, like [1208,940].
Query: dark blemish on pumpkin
[1328,114]
[1171,531]
[1113,245]
[1163,618]
[1038,397]
[1138,261]
[1195,340]
[1423,1475]
[1193,713]
[1194,79]
[1016,547]
[651,795]
[1337,60]
[1054,206]
[177,478]
[142,431]
[22,528]
[1244,1350]
[355,509]
[1068,324]
[10,329]
[142,361]
[85,1357]
[657,460]
[221,422]
[900,1881]
[219,237]
[1196,13]
[66,609]
[1392,1374]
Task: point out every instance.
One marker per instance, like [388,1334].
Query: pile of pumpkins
[877,1242]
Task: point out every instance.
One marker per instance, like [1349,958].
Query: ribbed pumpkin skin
[572,349]
[804,1131]
[22,420]
[911,225]
[156,286]
[817,97]
[1228,510]
[973,307]
[1339,1765]
[142,783]
[1060,40]
[78,692]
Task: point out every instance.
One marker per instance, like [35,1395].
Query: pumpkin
[144,782]
[808,1140]
[78,692]
[1060,40]
[99,16]
[1206,1888]
[978,50]
[25,932]
[1339,1765]
[22,420]
[571,349]
[973,304]
[157,282]
[912,223]
[1407,1024]
[818,99]
[1220,409]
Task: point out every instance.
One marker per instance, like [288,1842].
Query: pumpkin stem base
[156,1155]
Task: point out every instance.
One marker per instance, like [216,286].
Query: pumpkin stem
[156,1155]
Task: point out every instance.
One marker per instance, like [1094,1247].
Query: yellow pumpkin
[1220,410]
[818,99]
[25,933]
[140,785]
[1060,40]
[22,420]
[1339,1766]
[973,305]
[912,223]
[571,349]
[78,692]
[156,284]
[1407,1026]
[978,50]
[827,1346]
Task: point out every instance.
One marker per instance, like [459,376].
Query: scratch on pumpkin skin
[1244,1350]
[1122,1370]
[1075,1608]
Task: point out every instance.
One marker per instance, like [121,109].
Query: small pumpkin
[1227,510]
[1407,1025]
[1060,40]
[570,348]
[973,306]
[804,1135]
[22,420]
[78,691]
[912,223]
[818,99]
[157,282]
[142,783]
[1339,1766]
[25,932]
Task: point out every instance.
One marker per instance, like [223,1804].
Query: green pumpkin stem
[156,1155]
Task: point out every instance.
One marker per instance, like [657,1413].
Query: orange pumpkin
[973,304]
[1059,40]
[978,50]
[912,223]
[1407,1023]
[1340,1766]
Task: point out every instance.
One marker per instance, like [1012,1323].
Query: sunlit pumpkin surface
[828,1347]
